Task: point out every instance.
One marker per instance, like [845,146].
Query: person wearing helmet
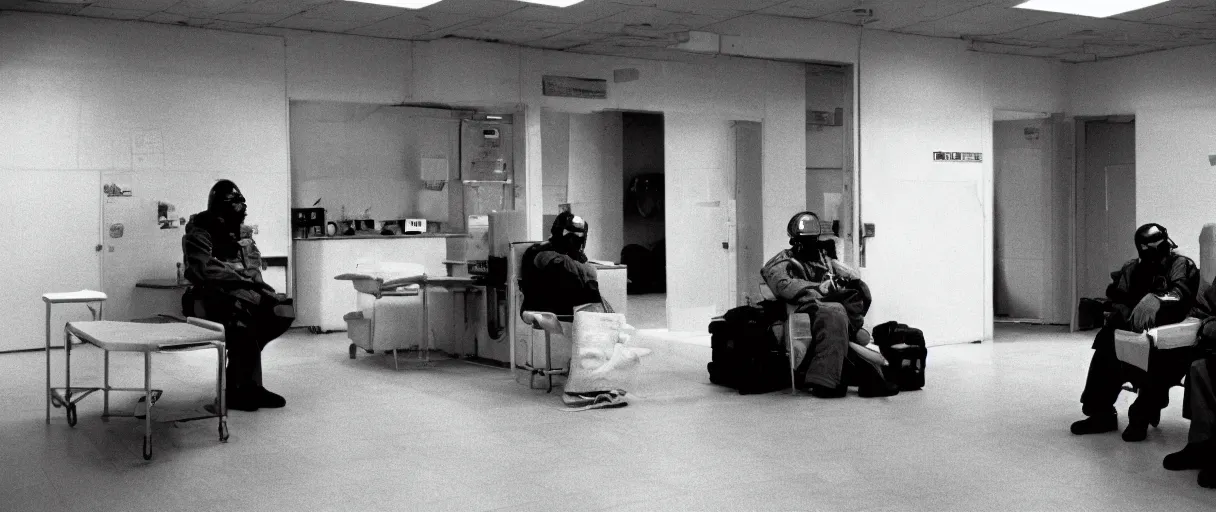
[1199,402]
[1156,288]
[555,276]
[808,278]
[223,266]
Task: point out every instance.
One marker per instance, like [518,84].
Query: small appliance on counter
[414,226]
[307,222]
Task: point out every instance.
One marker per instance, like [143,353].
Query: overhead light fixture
[1092,8]
[553,3]
[493,117]
[408,4]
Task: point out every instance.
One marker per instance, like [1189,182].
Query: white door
[1108,204]
[749,212]
[50,233]
[700,184]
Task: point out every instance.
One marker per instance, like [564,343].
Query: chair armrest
[542,320]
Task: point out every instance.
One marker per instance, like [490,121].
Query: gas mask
[227,203]
[805,248]
[569,233]
[1153,244]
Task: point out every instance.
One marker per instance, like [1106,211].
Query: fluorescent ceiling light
[408,4]
[1092,8]
[553,3]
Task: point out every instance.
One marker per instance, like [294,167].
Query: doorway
[829,154]
[1106,200]
[1030,221]
[644,251]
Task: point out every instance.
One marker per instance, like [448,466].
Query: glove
[1145,313]
[826,287]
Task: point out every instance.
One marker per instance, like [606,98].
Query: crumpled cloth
[595,400]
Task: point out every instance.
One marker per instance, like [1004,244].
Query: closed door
[700,168]
[50,232]
[1108,220]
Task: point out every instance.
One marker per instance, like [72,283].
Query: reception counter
[321,301]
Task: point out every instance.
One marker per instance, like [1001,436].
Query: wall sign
[947,156]
[573,87]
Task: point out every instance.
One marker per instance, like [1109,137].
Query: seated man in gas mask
[1157,288]
[555,275]
[224,267]
[1200,398]
[835,298]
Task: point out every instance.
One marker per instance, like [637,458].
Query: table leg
[426,323]
[105,393]
[67,366]
[148,412]
[48,363]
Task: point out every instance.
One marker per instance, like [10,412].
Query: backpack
[746,355]
[904,349]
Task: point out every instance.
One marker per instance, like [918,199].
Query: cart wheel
[72,415]
[353,348]
[147,449]
[223,432]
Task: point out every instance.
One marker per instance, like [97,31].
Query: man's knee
[832,311]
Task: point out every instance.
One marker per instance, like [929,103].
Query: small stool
[53,396]
[549,323]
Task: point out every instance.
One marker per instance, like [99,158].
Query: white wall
[930,264]
[367,157]
[166,109]
[1172,97]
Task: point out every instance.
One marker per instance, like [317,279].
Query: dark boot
[826,392]
[269,400]
[1096,424]
[243,398]
[1192,456]
[1207,477]
[1137,425]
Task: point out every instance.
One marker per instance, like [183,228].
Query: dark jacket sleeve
[1182,283]
[204,269]
[571,279]
[1205,304]
[1119,290]
[787,283]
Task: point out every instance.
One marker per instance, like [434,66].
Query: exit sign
[948,156]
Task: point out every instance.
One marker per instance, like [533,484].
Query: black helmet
[227,202]
[568,223]
[1153,242]
[804,224]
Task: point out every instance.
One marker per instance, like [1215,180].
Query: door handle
[97,248]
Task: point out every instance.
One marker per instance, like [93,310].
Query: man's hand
[1145,313]
[826,287]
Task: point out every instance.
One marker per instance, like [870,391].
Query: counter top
[386,237]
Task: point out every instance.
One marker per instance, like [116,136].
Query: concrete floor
[989,432]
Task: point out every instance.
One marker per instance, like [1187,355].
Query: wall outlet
[867,230]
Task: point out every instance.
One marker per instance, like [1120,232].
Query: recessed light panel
[1092,8]
[408,4]
[553,3]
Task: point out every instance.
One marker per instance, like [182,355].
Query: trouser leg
[830,345]
[1201,391]
[1105,378]
[244,358]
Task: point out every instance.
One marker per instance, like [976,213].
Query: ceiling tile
[514,31]
[661,18]
[48,7]
[896,14]
[478,8]
[354,11]
[985,20]
[573,38]
[411,25]
[284,7]
[136,5]
[301,22]
[233,26]
[1191,18]
[164,17]
[578,13]
[251,18]
[114,14]
[203,8]
[809,8]
[702,5]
